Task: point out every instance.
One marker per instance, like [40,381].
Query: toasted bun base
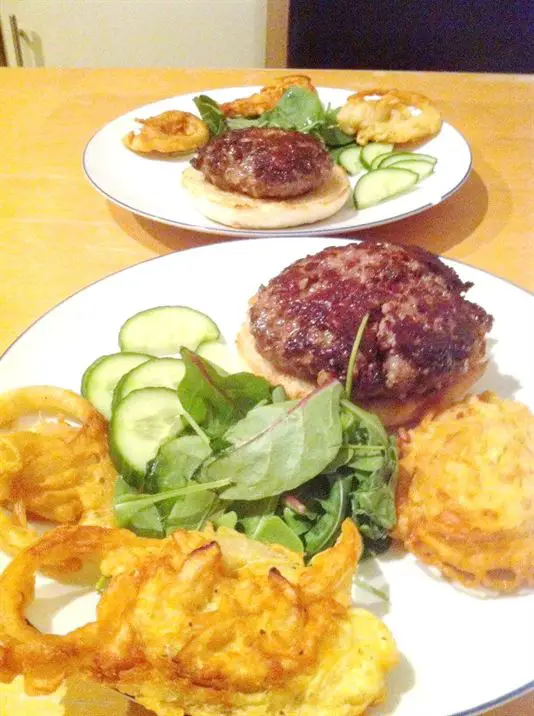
[241,211]
[392,413]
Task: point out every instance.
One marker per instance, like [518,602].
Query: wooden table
[58,235]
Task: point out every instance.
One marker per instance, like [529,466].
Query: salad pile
[199,445]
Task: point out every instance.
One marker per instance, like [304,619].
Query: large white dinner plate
[152,187]
[460,653]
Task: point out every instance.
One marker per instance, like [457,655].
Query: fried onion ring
[267,98]
[56,471]
[43,399]
[378,115]
[172,132]
[46,659]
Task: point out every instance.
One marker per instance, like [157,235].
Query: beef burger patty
[265,163]
[422,335]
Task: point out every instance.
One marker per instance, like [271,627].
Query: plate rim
[473,711]
[228,231]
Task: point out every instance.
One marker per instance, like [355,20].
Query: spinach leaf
[175,463]
[258,521]
[145,522]
[373,500]
[253,514]
[299,524]
[225,519]
[211,114]
[243,122]
[373,506]
[191,512]
[361,426]
[148,523]
[279,447]
[326,528]
[275,531]
[217,401]
[128,505]
[298,109]
[332,135]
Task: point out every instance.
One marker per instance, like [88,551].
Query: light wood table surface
[57,234]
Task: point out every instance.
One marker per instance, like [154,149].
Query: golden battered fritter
[206,624]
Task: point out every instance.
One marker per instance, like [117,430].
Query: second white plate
[151,187]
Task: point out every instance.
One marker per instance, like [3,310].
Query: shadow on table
[438,229]
[442,227]
[159,237]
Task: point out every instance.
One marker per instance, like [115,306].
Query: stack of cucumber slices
[135,389]
[388,172]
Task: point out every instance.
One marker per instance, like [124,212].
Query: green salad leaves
[299,110]
[278,470]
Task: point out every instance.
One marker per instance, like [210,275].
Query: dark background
[467,36]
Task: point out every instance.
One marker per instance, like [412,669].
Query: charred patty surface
[265,163]
[422,333]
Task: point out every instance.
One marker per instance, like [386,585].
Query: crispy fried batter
[172,132]
[55,470]
[73,698]
[465,496]
[205,624]
[266,98]
[389,116]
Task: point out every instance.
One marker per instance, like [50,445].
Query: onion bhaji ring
[267,98]
[465,496]
[378,115]
[56,470]
[172,132]
[204,622]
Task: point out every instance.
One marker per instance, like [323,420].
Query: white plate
[151,187]
[460,653]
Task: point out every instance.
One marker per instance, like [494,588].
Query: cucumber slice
[373,150]
[350,160]
[377,161]
[420,166]
[222,356]
[100,379]
[164,330]
[335,153]
[374,187]
[139,425]
[394,157]
[154,373]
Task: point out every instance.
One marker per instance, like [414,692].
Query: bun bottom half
[392,413]
[246,212]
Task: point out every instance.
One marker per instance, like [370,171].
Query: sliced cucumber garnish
[420,166]
[164,330]
[155,373]
[394,157]
[139,424]
[377,161]
[349,159]
[100,379]
[335,153]
[374,187]
[373,150]
[221,355]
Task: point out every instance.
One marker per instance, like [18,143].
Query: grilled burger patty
[421,335]
[265,163]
